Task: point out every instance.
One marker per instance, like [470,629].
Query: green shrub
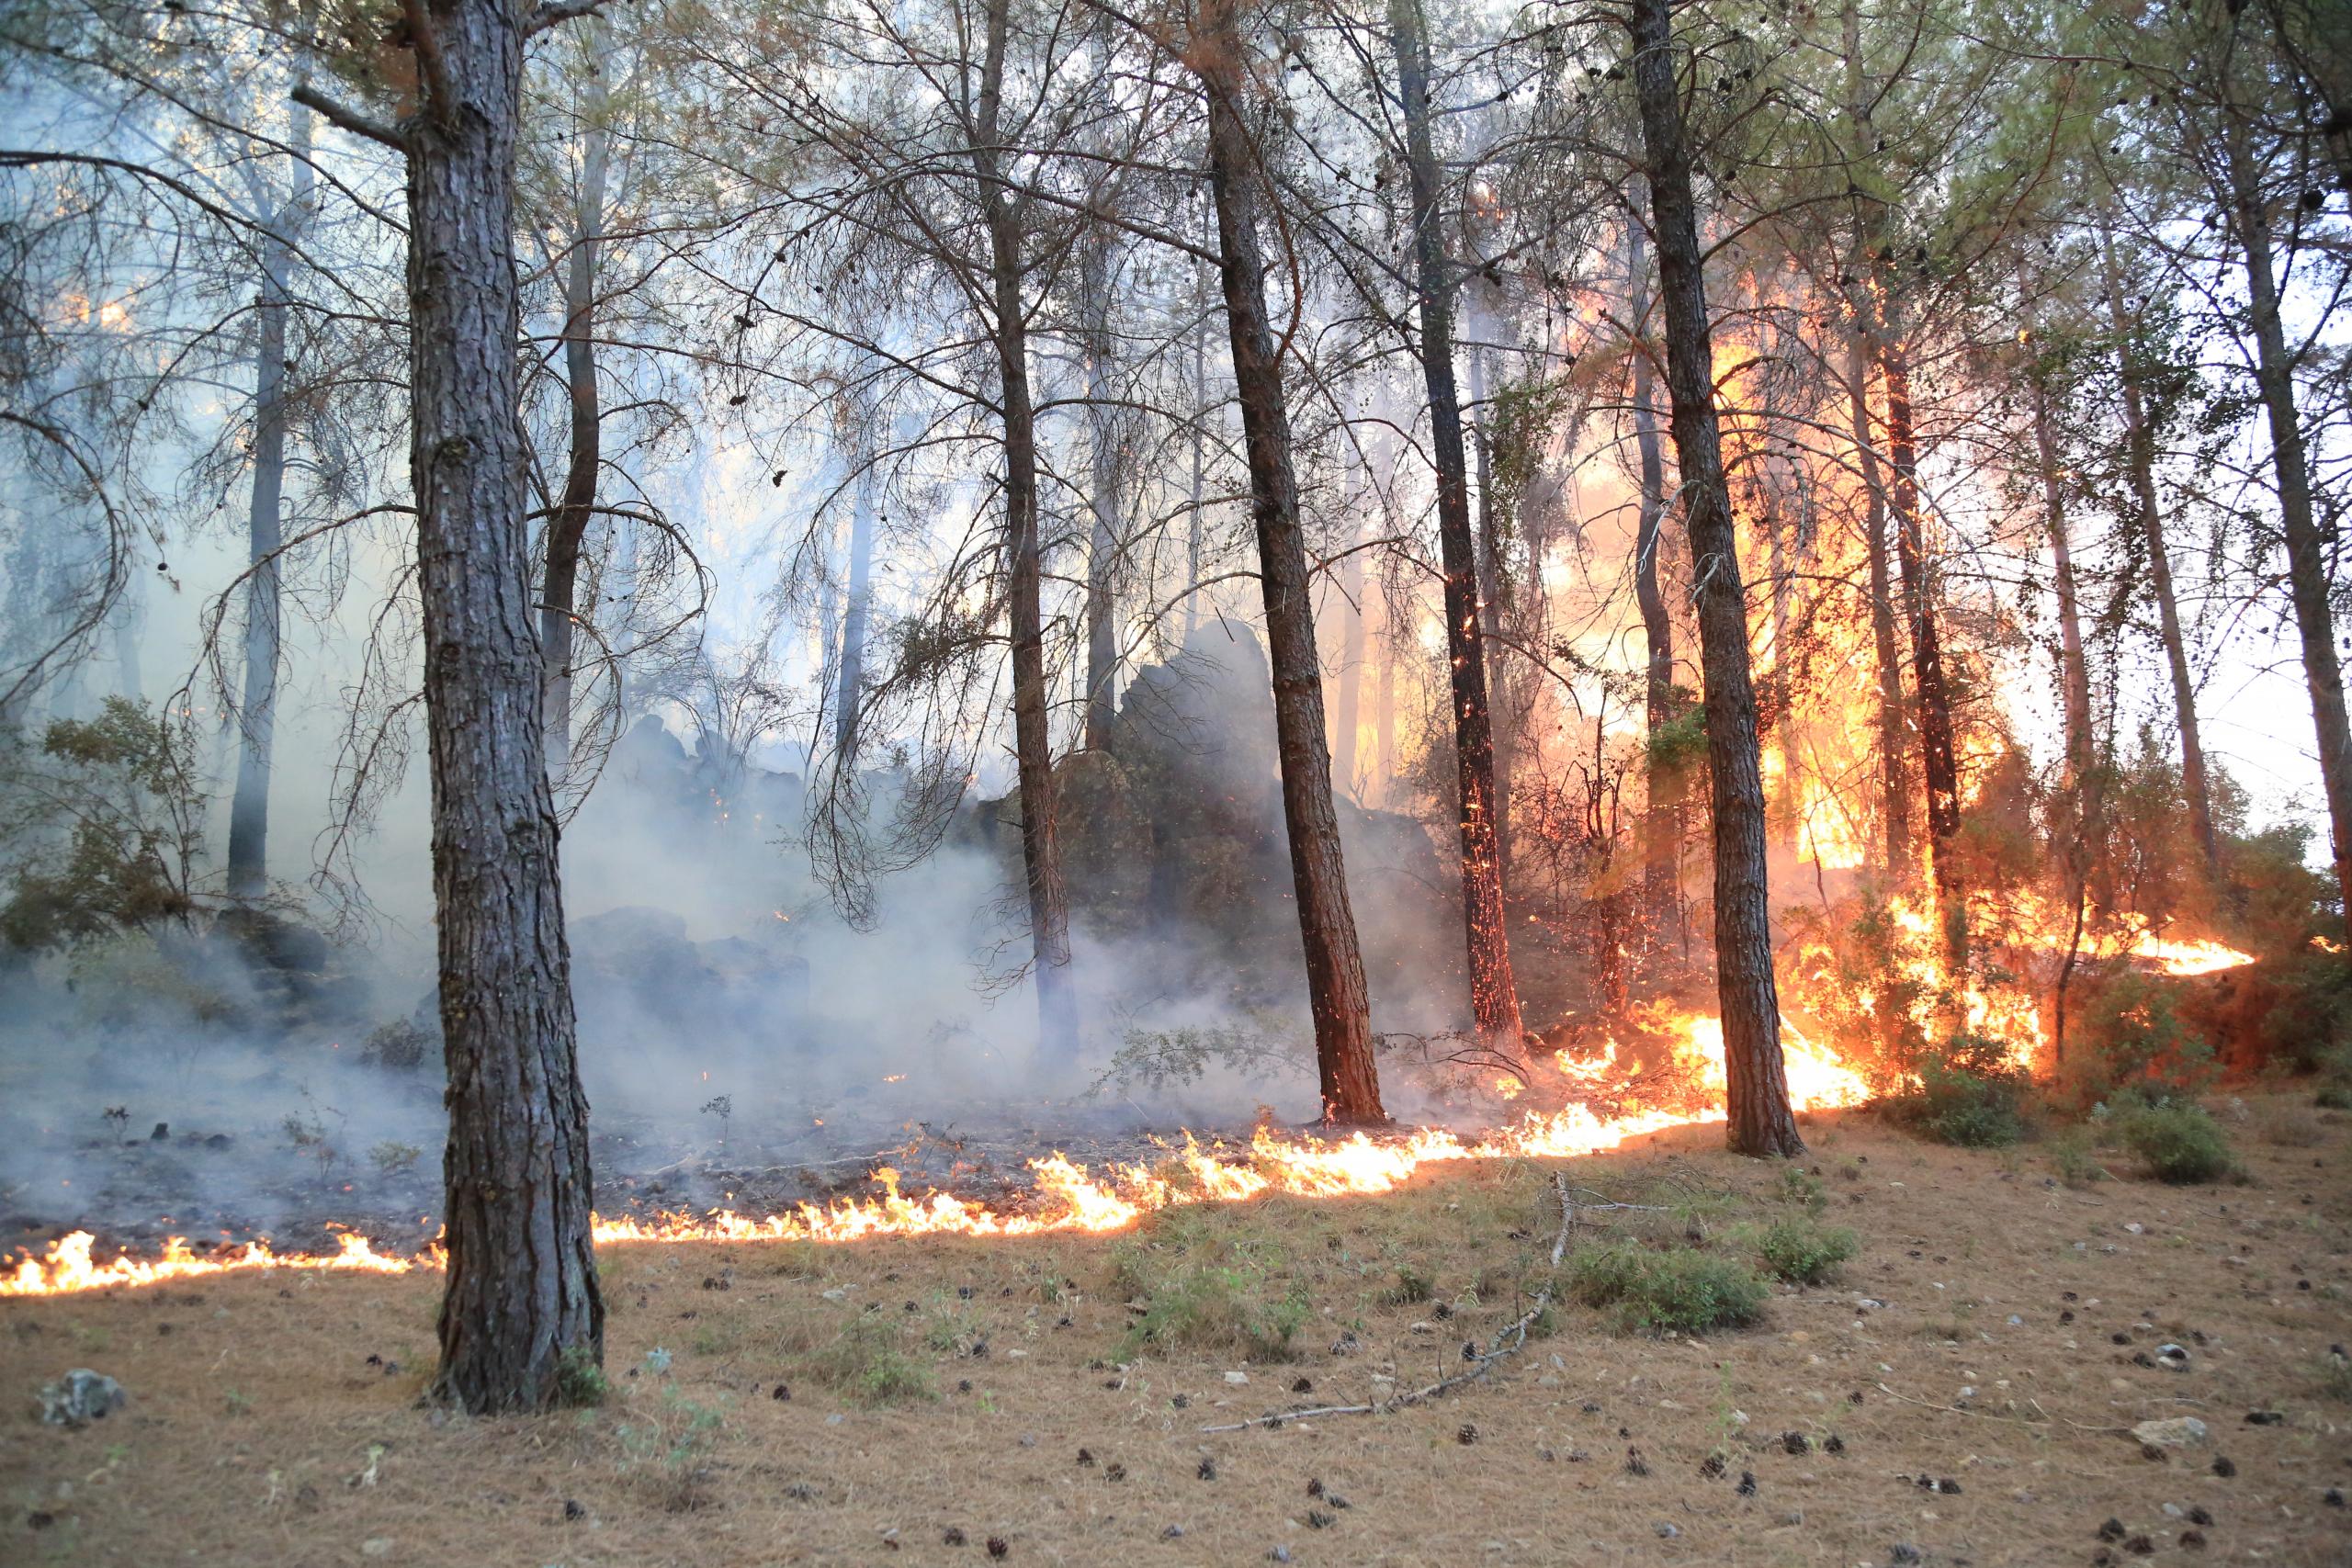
[1805,1252]
[1678,1290]
[2133,1039]
[2072,1155]
[2335,1090]
[2180,1144]
[579,1378]
[1970,1093]
[868,1362]
[1202,1304]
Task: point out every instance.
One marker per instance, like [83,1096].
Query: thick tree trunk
[568,528]
[1666,783]
[1494,995]
[257,708]
[1760,1121]
[522,1296]
[1327,924]
[2140,457]
[1938,753]
[1032,736]
[1102,542]
[2306,546]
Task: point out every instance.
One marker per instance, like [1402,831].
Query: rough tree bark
[1032,739]
[257,710]
[1327,924]
[2140,458]
[522,1296]
[1760,1120]
[567,526]
[1494,995]
[1664,784]
[2306,546]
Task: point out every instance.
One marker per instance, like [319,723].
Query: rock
[80,1397]
[1664,1530]
[2175,1432]
[1236,1379]
[2173,1357]
[376,1546]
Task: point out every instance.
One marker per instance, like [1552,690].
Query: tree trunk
[2140,455]
[1495,604]
[2306,547]
[1893,740]
[1760,1120]
[1936,752]
[1103,543]
[1665,780]
[2074,670]
[568,528]
[522,1296]
[1494,995]
[1327,924]
[257,707]
[1033,739]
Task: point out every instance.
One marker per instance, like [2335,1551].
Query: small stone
[1278,1554]
[1903,1551]
[1173,1532]
[2174,1356]
[376,1546]
[1664,1530]
[1236,1379]
[80,1397]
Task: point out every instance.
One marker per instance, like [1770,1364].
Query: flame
[2196,957]
[1065,1197]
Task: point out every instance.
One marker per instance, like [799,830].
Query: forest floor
[947,1401]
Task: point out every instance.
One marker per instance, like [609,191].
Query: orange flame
[1065,1197]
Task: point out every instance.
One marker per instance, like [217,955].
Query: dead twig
[1497,1349]
[1999,1415]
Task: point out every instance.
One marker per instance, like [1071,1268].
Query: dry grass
[255,1409]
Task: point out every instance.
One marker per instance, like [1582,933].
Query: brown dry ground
[259,1433]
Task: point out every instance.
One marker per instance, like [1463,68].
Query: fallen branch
[1497,1350]
[2001,1415]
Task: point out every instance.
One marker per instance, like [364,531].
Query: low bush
[2133,1041]
[1203,1285]
[1805,1252]
[1970,1092]
[1676,1290]
[2179,1143]
[869,1362]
